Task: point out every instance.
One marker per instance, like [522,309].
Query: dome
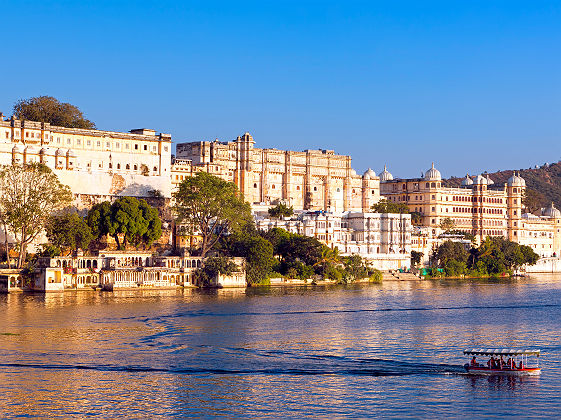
[70,153]
[489,180]
[369,174]
[433,174]
[385,175]
[480,179]
[552,212]
[60,152]
[17,149]
[516,181]
[467,181]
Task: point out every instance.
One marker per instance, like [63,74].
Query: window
[26,134]
[273,186]
[108,145]
[136,147]
[316,188]
[155,168]
[154,149]
[127,146]
[89,143]
[145,147]
[118,166]
[110,165]
[135,167]
[46,136]
[128,166]
[254,185]
[117,145]
[78,142]
[98,144]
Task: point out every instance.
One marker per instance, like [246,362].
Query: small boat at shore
[517,364]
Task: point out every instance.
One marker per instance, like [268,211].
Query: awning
[502,352]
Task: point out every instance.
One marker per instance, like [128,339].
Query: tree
[50,110]
[210,207]
[131,218]
[258,253]
[386,206]
[29,194]
[69,231]
[451,251]
[447,224]
[281,210]
[99,220]
[416,218]
[533,200]
[416,257]
[212,267]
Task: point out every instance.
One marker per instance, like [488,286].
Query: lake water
[392,350]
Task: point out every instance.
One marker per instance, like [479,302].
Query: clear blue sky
[471,85]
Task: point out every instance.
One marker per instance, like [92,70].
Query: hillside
[545,179]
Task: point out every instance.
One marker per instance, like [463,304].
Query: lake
[391,350]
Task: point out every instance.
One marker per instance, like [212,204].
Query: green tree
[131,218]
[416,257]
[258,253]
[51,110]
[449,251]
[99,220]
[69,231]
[281,210]
[29,194]
[210,207]
[416,218]
[212,267]
[355,268]
[386,206]
[447,224]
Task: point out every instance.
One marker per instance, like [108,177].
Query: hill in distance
[546,180]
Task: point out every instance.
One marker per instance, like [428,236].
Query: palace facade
[479,207]
[309,180]
[97,165]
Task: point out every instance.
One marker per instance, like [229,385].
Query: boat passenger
[509,363]
[473,361]
[501,363]
[521,365]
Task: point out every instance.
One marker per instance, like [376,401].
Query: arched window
[128,166]
[118,166]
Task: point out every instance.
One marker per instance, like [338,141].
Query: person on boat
[501,363]
[473,361]
[521,365]
[489,363]
[509,363]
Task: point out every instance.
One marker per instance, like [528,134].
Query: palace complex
[332,201]
[479,207]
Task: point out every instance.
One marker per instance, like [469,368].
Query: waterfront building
[97,165]
[382,239]
[542,233]
[310,180]
[479,206]
[120,270]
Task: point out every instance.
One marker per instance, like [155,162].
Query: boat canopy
[502,352]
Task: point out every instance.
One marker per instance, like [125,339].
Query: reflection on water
[320,351]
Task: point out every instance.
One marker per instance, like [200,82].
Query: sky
[469,85]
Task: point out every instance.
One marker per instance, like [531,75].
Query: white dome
[369,174]
[60,152]
[17,149]
[552,212]
[516,181]
[467,181]
[480,179]
[385,175]
[489,180]
[433,174]
[70,153]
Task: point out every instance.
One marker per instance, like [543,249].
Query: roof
[501,352]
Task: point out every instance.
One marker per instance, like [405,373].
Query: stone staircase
[396,275]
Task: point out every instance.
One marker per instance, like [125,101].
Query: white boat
[517,363]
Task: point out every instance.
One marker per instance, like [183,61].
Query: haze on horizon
[473,86]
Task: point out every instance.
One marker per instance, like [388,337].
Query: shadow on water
[360,367]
